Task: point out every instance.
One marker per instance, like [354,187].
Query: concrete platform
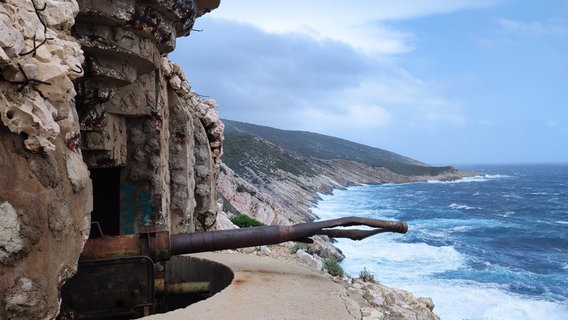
[265,288]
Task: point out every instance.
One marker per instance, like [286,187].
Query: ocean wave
[396,258]
[492,259]
[457,299]
[512,195]
[461,206]
[507,214]
[481,178]
[444,223]
[471,300]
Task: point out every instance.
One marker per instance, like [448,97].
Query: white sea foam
[462,228]
[471,300]
[461,206]
[400,258]
[435,268]
[412,267]
[507,214]
[482,178]
[444,223]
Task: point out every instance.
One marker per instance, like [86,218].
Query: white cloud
[532,28]
[359,116]
[363,24]
[406,99]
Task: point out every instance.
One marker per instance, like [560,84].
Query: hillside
[276,175]
[242,142]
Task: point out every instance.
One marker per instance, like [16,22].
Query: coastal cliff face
[95,119]
[293,180]
[276,185]
[271,205]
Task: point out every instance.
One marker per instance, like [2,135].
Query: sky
[445,82]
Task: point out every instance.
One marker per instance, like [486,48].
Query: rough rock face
[386,303]
[193,163]
[90,105]
[285,198]
[45,190]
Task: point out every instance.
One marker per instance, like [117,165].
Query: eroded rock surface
[85,87]
[45,197]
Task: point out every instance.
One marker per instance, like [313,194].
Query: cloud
[350,116]
[293,81]
[362,24]
[531,28]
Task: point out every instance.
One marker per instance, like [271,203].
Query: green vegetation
[261,148]
[242,152]
[367,276]
[299,245]
[333,267]
[244,221]
[367,295]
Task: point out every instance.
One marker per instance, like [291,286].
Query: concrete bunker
[152,149]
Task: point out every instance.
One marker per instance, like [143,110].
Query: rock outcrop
[382,303]
[90,105]
[45,190]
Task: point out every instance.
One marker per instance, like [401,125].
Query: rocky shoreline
[288,199]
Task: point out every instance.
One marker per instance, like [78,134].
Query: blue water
[486,247]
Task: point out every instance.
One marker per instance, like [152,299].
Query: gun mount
[128,276]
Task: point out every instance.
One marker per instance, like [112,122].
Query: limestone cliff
[287,179]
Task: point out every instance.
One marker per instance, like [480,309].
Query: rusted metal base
[120,288]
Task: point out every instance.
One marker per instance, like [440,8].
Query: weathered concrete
[264,288]
[137,113]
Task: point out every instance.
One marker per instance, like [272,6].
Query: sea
[492,246]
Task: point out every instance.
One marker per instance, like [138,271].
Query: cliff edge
[275,176]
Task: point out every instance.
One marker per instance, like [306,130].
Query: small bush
[299,245]
[366,276]
[244,221]
[333,267]
[367,295]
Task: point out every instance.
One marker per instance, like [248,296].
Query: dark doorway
[106,201]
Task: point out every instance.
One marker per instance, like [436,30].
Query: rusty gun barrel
[161,245]
[249,237]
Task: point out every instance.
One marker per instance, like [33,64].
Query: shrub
[333,267]
[244,221]
[367,295]
[299,245]
[366,275]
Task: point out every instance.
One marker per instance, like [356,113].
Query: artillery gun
[131,276]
